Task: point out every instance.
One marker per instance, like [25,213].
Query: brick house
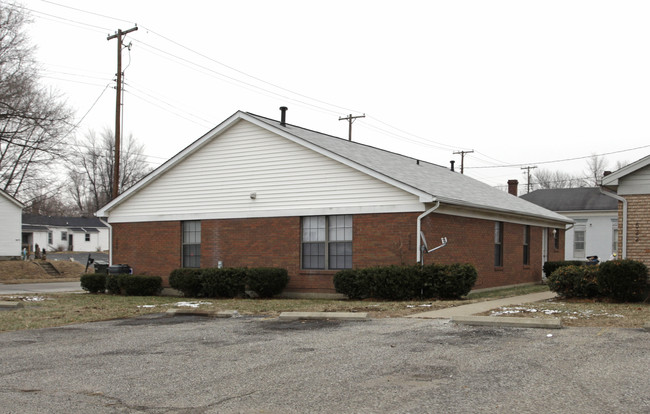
[631,186]
[259,192]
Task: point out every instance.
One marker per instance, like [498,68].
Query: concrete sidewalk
[12,289]
[480,307]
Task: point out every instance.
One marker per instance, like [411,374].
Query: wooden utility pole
[350,120]
[118,105]
[462,159]
[530,167]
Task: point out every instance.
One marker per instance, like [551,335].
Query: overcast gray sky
[519,82]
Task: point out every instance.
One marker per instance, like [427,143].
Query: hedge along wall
[471,240]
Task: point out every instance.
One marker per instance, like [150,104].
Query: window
[50,238]
[191,244]
[87,237]
[64,236]
[526,245]
[579,238]
[498,244]
[327,237]
[614,235]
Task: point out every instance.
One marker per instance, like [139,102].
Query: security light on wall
[253,196]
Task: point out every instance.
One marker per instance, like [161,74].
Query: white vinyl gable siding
[248,171]
[10,223]
[637,182]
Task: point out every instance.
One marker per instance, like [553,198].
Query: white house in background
[10,213]
[595,232]
[75,234]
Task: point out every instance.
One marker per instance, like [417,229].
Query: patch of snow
[191,304]
[146,306]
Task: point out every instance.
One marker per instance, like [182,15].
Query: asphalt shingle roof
[572,199]
[63,221]
[447,186]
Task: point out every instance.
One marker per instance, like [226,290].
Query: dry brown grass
[576,312]
[18,271]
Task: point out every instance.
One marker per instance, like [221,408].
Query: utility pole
[351,119]
[462,159]
[530,167]
[118,105]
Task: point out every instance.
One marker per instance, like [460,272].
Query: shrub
[267,281]
[550,267]
[575,281]
[113,284]
[455,280]
[394,282]
[623,280]
[187,281]
[138,285]
[93,282]
[352,283]
[227,282]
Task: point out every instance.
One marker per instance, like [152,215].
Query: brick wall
[379,239]
[638,227]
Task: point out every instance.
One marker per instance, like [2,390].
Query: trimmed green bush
[139,285]
[623,280]
[550,267]
[575,281]
[113,284]
[455,281]
[267,281]
[188,281]
[93,282]
[228,282]
[355,284]
[395,282]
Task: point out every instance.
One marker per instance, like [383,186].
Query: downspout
[419,227]
[624,201]
[110,241]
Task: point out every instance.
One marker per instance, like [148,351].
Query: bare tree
[596,166]
[90,170]
[547,179]
[34,121]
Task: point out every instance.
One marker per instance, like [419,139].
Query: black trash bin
[120,269]
[101,266]
[592,260]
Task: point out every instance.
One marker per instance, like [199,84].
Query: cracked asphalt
[190,364]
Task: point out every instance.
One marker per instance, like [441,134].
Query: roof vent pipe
[452,162]
[283,117]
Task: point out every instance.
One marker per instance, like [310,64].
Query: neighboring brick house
[631,185]
[595,232]
[10,211]
[259,192]
[75,234]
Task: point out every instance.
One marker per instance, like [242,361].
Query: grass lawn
[43,311]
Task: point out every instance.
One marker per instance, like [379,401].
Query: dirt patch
[18,271]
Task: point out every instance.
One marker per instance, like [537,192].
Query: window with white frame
[50,237]
[87,237]
[526,245]
[327,242]
[191,244]
[64,236]
[579,238]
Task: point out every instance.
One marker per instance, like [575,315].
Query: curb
[206,313]
[346,316]
[10,305]
[499,321]
[647,326]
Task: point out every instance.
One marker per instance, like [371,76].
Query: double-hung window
[579,238]
[498,244]
[64,236]
[327,242]
[526,245]
[191,244]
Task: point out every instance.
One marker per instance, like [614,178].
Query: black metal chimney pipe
[452,164]
[283,117]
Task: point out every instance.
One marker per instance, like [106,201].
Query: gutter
[110,241]
[419,227]
[624,201]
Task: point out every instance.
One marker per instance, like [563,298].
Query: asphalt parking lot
[190,364]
